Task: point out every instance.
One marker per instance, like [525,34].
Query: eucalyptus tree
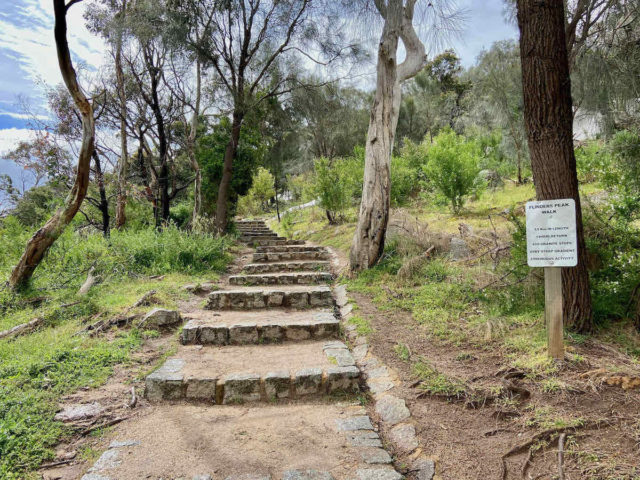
[497,95]
[42,240]
[549,125]
[397,18]
[256,49]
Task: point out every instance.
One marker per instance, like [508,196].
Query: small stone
[271,333]
[308,381]
[354,423]
[425,469]
[403,437]
[306,475]
[159,317]
[277,384]
[94,476]
[189,333]
[75,412]
[342,356]
[373,455]
[379,385]
[202,477]
[392,409]
[108,460]
[360,352]
[166,383]
[378,372]
[124,444]
[346,310]
[378,474]
[242,388]
[364,438]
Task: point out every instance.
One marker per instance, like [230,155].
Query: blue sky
[28,57]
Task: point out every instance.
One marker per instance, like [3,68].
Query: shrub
[453,168]
[592,161]
[403,181]
[333,190]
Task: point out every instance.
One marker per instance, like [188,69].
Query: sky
[28,56]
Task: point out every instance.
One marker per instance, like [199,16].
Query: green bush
[404,181]
[333,186]
[453,168]
[593,161]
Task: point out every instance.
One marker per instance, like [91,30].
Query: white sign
[551,233]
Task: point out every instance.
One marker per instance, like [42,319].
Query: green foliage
[287,224]
[334,185]
[453,168]
[257,198]
[403,181]
[593,161]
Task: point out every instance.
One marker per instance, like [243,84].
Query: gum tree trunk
[123,166]
[369,237]
[191,147]
[227,172]
[42,240]
[549,124]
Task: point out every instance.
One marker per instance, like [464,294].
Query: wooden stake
[553,311]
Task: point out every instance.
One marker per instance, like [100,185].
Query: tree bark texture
[191,147]
[104,202]
[549,125]
[373,218]
[227,173]
[123,165]
[42,240]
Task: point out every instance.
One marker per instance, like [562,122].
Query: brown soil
[260,359]
[468,441]
[180,441]
[260,317]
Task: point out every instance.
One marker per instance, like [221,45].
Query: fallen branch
[561,456]
[110,423]
[122,319]
[89,282]
[22,328]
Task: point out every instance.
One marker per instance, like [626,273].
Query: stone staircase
[269,342]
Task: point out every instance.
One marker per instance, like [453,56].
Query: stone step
[271,241]
[290,296]
[251,231]
[287,278]
[262,240]
[260,234]
[257,327]
[253,268]
[290,256]
[298,441]
[252,373]
[290,248]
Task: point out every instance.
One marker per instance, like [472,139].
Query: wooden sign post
[552,243]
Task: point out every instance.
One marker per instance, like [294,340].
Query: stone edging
[314,296]
[392,412]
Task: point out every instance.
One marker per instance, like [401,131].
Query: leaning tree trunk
[548,120]
[369,237]
[123,166]
[227,172]
[42,240]
[191,147]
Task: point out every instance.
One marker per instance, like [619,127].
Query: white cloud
[30,41]
[10,137]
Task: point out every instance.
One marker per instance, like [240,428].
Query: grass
[39,368]
[436,383]
[363,326]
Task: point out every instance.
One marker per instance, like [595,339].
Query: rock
[403,437]
[458,249]
[364,438]
[373,455]
[378,372]
[392,409]
[492,177]
[306,475]
[108,460]
[360,352]
[340,294]
[343,379]
[277,385]
[243,334]
[247,476]
[346,310]
[308,381]
[159,317]
[124,444]
[425,469]
[94,476]
[379,385]
[71,413]
[354,423]
[202,477]
[341,356]
[201,389]
[378,474]
[166,383]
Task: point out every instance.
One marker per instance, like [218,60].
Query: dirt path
[260,385]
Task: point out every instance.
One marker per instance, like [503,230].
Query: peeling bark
[369,237]
[42,240]
[123,165]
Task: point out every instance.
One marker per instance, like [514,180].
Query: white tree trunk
[369,237]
